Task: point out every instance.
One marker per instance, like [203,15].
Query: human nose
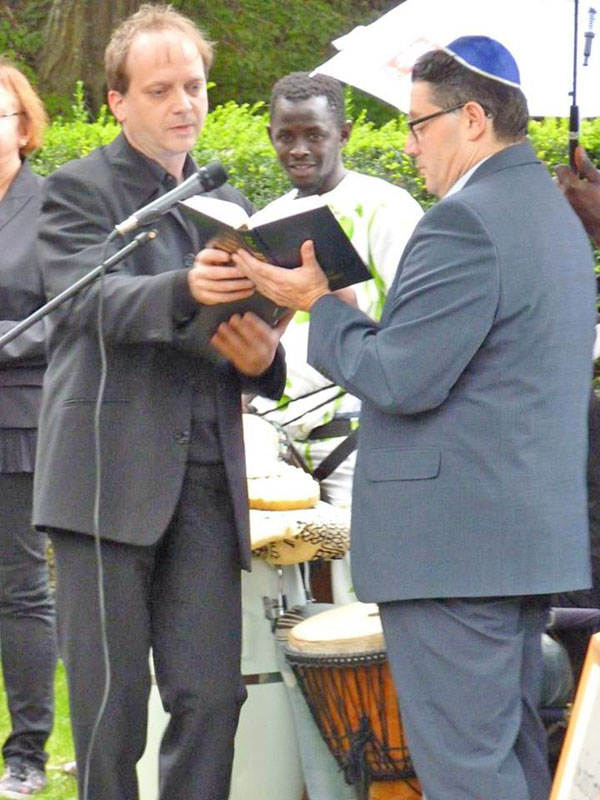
[411,145]
[183,102]
[299,147]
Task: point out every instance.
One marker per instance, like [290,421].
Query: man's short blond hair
[148,18]
[32,109]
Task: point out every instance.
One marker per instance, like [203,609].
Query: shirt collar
[161,175]
[460,183]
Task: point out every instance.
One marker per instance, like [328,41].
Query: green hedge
[236,135]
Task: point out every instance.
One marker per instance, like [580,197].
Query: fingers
[250,266]
[585,170]
[307,251]
[270,280]
[297,288]
[211,256]
[213,279]
[248,342]
[565,176]
[585,167]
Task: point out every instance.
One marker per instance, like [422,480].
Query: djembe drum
[339,659]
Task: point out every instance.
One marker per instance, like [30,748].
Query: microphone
[206,179]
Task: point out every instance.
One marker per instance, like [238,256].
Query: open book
[226,226]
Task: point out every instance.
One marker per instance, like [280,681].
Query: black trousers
[180,598]
[27,631]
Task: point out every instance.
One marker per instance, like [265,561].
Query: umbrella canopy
[378,58]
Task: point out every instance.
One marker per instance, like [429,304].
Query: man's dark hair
[452,83]
[301,86]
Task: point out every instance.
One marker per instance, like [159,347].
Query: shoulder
[376,193]
[27,181]
[447,212]
[83,188]
[454,223]
[373,185]
[78,170]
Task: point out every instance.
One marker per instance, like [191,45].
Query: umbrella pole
[574,110]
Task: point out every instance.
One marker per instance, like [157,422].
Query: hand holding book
[276,241]
[294,288]
[213,279]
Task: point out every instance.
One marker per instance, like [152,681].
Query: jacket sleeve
[272,382]
[438,312]
[27,349]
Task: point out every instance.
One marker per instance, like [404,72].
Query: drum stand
[276,607]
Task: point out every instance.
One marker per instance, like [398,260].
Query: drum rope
[348,696]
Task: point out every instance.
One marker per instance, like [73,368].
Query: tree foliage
[75,36]
[257,41]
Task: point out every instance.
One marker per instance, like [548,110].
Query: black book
[228,227]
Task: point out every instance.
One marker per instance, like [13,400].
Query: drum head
[354,628]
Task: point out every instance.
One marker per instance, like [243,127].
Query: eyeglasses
[14,114]
[412,123]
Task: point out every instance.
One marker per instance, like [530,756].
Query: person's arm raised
[582,190]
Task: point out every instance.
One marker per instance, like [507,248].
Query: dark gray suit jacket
[470,475]
[22,361]
[152,363]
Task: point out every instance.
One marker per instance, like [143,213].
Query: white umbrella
[378,58]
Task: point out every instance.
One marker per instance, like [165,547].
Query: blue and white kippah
[487,57]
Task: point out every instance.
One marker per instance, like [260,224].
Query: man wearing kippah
[469,492]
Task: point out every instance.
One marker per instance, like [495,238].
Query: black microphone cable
[141,238]
[206,179]
[96,520]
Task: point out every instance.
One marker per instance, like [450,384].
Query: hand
[214,279]
[297,288]
[248,342]
[582,190]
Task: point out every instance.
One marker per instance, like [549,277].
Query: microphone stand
[85,280]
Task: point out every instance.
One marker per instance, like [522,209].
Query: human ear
[345,132]
[476,119]
[116,103]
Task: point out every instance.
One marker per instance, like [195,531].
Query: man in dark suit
[171,510]
[469,491]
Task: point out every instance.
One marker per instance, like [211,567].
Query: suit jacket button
[183,437]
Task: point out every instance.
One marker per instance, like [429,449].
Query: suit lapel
[19,193]
[140,180]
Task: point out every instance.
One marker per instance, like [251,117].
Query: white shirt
[379,218]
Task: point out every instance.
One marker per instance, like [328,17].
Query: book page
[285,208]
[229,213]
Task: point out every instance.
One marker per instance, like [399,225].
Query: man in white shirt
[309,131]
